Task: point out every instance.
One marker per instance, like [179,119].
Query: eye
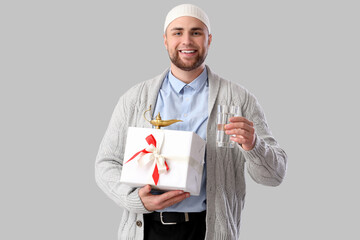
[196,33]
[177,33]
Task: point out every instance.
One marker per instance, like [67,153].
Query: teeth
[188,51]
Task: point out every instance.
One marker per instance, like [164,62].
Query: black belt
[169,218]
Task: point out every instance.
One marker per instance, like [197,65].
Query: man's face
[187,41]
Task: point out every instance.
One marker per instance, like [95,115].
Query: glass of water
[224,113]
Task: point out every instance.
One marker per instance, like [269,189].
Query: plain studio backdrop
[64,65]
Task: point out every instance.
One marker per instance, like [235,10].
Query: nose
[187,39]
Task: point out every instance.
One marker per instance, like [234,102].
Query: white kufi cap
[187,10]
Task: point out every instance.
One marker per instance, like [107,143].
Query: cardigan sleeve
[267,161]
[109,161]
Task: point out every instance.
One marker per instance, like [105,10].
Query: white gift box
[182,151]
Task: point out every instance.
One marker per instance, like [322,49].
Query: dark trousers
[194,229]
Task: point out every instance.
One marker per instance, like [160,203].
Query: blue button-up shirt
[189,103]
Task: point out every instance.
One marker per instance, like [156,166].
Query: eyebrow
[192,29]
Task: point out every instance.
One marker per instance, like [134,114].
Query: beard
[198,61]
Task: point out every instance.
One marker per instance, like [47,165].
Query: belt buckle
[165,223]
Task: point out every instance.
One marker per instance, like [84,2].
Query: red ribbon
[150,140]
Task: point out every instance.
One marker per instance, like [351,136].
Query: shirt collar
[196,84]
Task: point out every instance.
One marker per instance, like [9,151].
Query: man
[189,90]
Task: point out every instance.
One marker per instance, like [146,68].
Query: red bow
[151,141]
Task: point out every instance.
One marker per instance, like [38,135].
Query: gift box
[165,159]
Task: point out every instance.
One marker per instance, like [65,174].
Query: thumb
[145,190]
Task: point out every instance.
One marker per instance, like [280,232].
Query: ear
[209,40]
[165,41]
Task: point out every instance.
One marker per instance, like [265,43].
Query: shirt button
[139,223]
[185,115]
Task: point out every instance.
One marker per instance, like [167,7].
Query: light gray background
[64,64]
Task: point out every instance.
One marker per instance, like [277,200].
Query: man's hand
[243,132]
[156,202]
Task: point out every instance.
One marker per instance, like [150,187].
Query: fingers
[242,131]
[240,126]
[173,200]
[242,141]
[165,197]
[156,202]
[241,119]
[246,144]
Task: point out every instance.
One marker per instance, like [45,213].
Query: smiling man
[187,40]
[190,91]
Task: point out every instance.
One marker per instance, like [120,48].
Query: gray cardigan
[225,186]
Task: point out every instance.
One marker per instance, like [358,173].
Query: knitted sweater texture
[225,186]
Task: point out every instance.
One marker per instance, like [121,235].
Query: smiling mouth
[187,51]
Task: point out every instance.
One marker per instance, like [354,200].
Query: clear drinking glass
[224,113]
